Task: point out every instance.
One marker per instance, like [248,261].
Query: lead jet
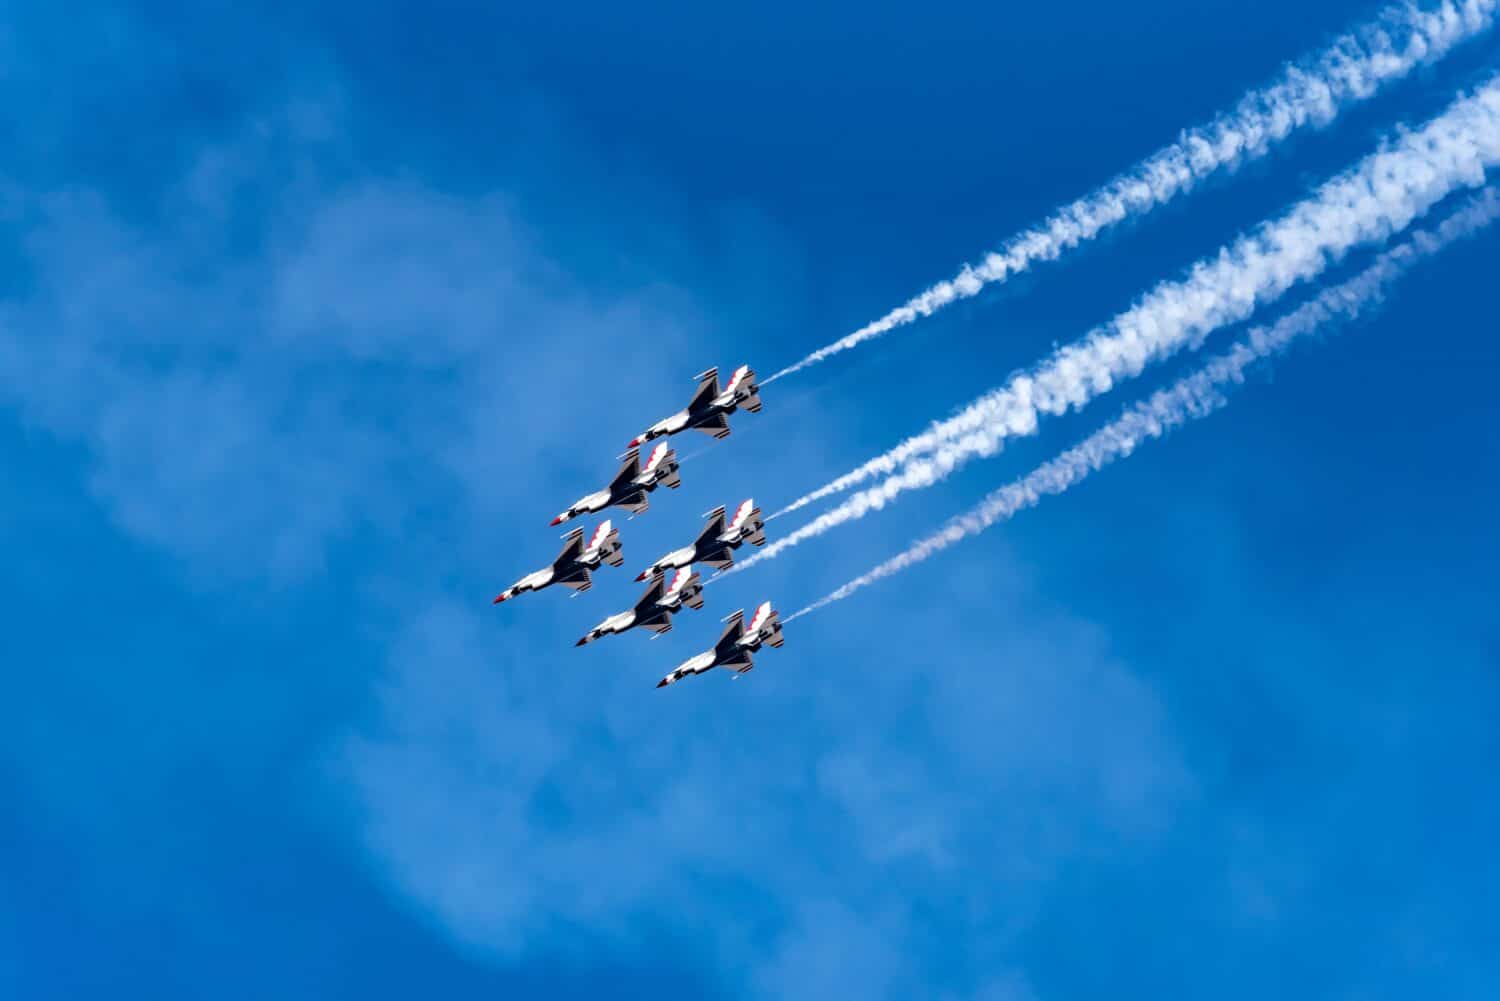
[655,608]
[575,564]
[631,484]
[735,646]
[717,542]
[708,411]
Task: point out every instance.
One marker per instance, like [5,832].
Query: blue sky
[310,322]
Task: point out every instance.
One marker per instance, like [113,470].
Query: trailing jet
[631,484]
[715,545]
[655,608]
[708,411]
[574,564]
[735,646]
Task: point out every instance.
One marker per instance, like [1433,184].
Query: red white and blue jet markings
[631,485]
[574,566]
[735,645]
[654,609]
[709,409]
[717,541]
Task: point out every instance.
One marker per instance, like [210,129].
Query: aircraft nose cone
[558,520]
[640,577]
[633,443]
[582,642]
[499,599]
[662,683]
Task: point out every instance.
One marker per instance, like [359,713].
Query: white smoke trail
[1195,396]
[1373,201]
[1312,92]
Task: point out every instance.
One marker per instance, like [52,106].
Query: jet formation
[674,584]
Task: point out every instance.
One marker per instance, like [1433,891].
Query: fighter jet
[735,646]
[708,411]
[574,564]
[655,608]
[631,484]
[715,545]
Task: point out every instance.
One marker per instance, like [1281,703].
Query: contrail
[1310,92]
[1195,396]
[1373,201]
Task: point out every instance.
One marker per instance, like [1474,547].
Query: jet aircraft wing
[658,624]
[712,529]
[739,663]
[734,629]
[717,426]
[572,547]
[708,388]
[635,503]
[720,559]
[646,604]
[579,580]
[628,471]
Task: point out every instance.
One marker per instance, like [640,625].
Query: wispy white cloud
[1195,396]
[1308,93]
[370,361]
[250,407]
[1379,197]
[479,808]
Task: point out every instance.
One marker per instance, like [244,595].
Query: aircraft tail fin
[742,384]
[606,542]
[767,622]
[686,586]
[662,466]
[742,514]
